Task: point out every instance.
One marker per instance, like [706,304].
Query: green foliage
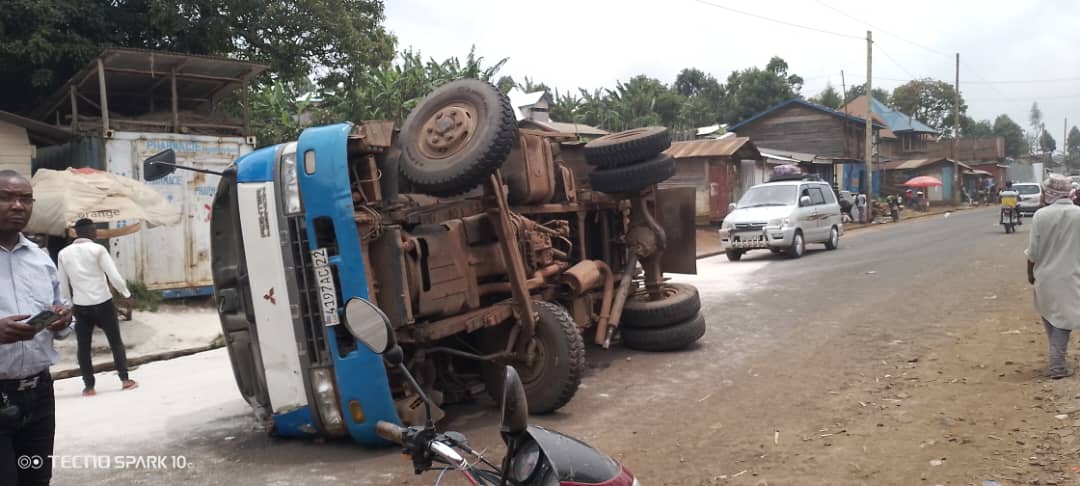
[858,90]
[829,97]
[280,110]
[46,41]
[1035,117]
[145,299]
[930,101]
[1015,142]
[977,129]
[1072,143]
[753,90]
[1047,143]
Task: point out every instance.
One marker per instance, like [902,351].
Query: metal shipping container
[174,259]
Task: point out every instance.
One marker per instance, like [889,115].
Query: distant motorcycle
[1010,215]
[535,456]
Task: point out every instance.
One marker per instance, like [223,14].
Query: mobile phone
[42,320]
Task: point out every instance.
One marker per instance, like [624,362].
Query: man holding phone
[29,285]
[86,270]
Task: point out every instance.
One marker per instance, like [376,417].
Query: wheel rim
[448,130]
[666,291]
[532,370]
[798,245]
[834,237]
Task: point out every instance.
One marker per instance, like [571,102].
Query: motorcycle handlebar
[389,431]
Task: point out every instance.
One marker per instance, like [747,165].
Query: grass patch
[145,299]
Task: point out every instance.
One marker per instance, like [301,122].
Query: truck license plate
[327,290]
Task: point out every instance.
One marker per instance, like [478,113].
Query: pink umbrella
[923,181]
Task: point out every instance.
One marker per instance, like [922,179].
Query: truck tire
[671,338]
[627,147]
[634,178]
[456,138]
[681,302]
[556,371]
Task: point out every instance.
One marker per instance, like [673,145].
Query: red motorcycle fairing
[625,478]
[577,463]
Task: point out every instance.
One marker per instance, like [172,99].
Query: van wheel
[798,245]
[554,371]
[834,239]
[456,138]
[734,255]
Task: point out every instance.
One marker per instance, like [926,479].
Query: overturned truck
[485,244]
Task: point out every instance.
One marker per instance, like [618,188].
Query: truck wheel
[634,178]
[627,147]
[558,364]
[671,338]
[680,302]
[733,255]
[456,137]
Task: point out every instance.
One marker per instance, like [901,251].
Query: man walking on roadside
[28,286]
[84,268]
[1054,269]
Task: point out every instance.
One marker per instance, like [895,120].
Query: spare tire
[626,147]
[456,137]
[680,302]
[671,338]
[633,178]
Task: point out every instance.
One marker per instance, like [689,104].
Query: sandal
[130,385]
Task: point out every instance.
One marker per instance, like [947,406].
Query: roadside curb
[139,360]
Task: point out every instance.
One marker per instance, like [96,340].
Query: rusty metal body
[444,270]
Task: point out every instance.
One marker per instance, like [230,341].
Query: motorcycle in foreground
[534,456]
[1010,215]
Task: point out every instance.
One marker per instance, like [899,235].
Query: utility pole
[957,180]
[869,128]
[843,86]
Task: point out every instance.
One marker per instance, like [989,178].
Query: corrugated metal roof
[857,107]
[719,147]
[912,164]
[898,122]
[797,101]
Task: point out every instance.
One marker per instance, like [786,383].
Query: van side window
[816,197]
[830,198]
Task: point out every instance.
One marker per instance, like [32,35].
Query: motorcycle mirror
[159,165]
[370,326]
[515,407]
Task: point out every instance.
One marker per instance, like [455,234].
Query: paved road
[755,309]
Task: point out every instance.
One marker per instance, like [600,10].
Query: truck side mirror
[159,165]
[369,325]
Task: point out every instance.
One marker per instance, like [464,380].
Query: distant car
[783,216]
[1030,197]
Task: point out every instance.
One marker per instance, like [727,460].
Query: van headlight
[290,184]
[322,381]
[780,222]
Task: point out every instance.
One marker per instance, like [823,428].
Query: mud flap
[675,208]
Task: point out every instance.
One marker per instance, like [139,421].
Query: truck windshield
[768,196]
[1026,189]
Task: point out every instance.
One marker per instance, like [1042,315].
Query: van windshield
[768,196]
[1026,189]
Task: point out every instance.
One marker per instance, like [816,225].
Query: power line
[916,44]
[1025,81]
[783,22]
[894,61]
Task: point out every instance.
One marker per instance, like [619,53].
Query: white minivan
[783,216]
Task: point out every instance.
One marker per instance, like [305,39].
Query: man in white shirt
[1054,269]
[83,268]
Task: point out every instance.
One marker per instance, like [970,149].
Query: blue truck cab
[280,289]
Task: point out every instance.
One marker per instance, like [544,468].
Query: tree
[505,84]
[704,98]
[753,90]
[1072,142]
[975,129]
[930,101]
[1035,117]
[828,97]
[46,41]
[1015,142]
[566,108]
[1047,143]
[644,101]
[858,90]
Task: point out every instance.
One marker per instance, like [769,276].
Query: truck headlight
[322,381]
[290,184]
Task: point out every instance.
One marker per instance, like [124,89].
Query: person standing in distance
[86,270]
[28,285]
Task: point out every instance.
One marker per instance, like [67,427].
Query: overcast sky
[594,43]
